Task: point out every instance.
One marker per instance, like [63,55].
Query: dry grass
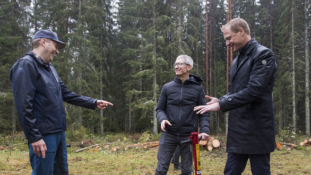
[141,162]
[144,161]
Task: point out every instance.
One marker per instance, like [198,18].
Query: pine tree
[307,69]
[13,45]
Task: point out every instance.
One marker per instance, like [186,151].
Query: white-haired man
[176,115]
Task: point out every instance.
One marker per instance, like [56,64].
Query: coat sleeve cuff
[222,104]
[95,104]
[34,140]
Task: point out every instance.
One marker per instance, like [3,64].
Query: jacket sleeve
[75,99]
[262,73]
[203,118]
[23,76]
[161,106]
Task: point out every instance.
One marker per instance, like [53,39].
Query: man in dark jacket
[39,94]
[176,115]
[251,130]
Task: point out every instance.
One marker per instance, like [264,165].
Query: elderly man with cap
[39,94]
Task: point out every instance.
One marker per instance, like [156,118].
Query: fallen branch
[137,146]
[92,146]
[289,144]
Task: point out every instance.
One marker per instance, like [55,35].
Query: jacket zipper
[57,89]
[181,94]
[43,117]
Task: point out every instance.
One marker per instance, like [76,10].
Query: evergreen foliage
[123,52]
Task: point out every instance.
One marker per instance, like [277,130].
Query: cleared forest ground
[144,161]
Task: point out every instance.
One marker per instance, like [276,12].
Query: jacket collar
[244,52]
[244,49]
[38,59]
[192,79]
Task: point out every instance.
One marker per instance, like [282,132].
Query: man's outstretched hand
[101,104]
[212,105]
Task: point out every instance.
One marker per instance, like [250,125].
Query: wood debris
[287,146]
[211,144]
[137,146]
[89,147]
[306,143]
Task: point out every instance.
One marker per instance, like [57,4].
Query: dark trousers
[176,156]
[167,147]
[260,164]
[55,161]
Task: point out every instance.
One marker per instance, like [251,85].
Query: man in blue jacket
[251,127]
[176,115]
[39,94]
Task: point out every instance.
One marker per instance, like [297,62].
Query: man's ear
[42,42]
[189,67]
[242,31]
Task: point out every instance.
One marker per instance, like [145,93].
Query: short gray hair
[36,43]
[188,59]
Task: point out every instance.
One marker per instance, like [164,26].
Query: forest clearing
[124,51]
[103,160]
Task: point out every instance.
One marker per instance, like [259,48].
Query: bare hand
[204,136]
[101,104]
[205,108]
[213,100]
[163,123]
[39,147]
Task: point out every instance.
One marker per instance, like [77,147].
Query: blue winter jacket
[39,94]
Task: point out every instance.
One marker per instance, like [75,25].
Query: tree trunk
[197,57]
[206,49]
[210,47]
[229,60]
[155,122]
[293,72]
[270,27]
[35,16]
[307,68]
[180,28]
[101,72]
[212,114]
[130,114]
[13,118]
[79,61]
[280,119]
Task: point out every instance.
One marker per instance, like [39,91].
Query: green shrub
[148,137]
[76,134]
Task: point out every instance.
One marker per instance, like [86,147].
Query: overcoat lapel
[234,68]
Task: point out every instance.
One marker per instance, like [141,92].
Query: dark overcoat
[251,127]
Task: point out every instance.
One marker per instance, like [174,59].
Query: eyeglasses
[180,64]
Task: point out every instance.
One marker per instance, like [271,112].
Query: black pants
[167,147]
[175,158]
[260,164]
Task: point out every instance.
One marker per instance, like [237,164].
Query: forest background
[123,52]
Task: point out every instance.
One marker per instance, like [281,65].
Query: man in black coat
[251,130]
[176,115]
